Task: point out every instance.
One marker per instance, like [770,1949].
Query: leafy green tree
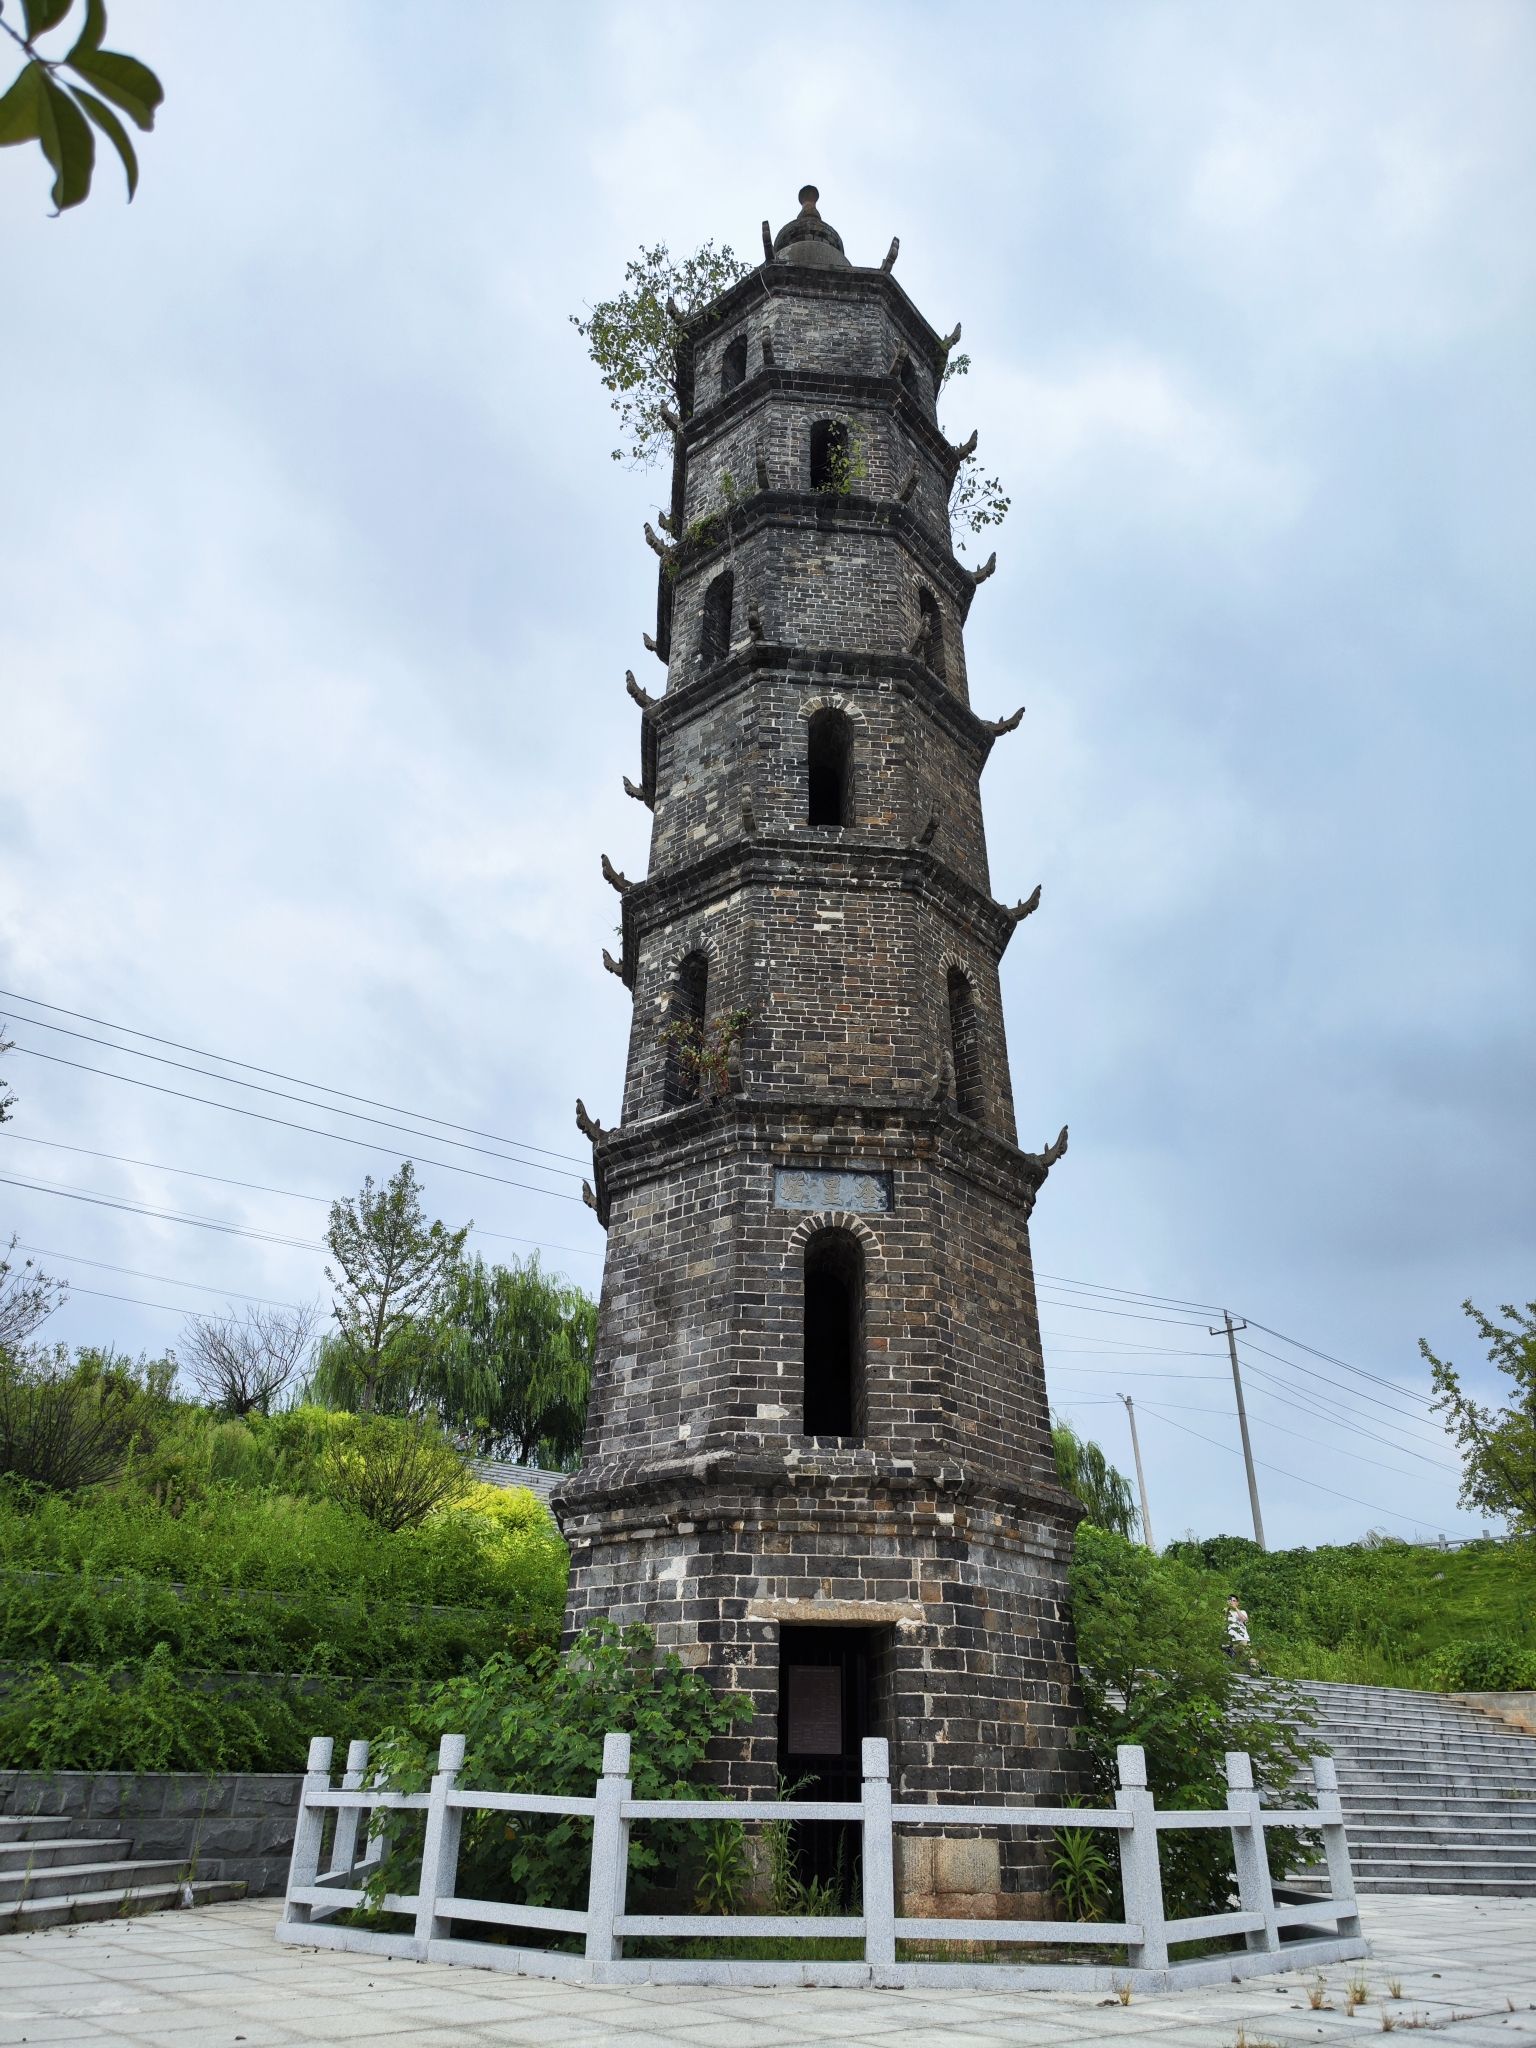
[56,112]
[392,1270]
[1087,1474]
[632,338]
[424,1370]
[531,1337]
[1149,1645]
[1498,1446]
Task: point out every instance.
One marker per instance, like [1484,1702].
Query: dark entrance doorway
[826,1708]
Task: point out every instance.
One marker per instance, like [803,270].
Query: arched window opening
[685,1030]
[834,1335]
[715,633]
[733,364]
[965,1042]
[829,456]
[911,380]
[829,749]
[930,631]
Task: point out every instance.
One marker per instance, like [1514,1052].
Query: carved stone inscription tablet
[865,1194]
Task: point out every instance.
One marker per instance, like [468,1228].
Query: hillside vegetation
[219,1603]
[1383,1613]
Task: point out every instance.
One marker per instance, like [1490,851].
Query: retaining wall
[230,1825]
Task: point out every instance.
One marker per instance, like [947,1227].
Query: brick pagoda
[818,1455]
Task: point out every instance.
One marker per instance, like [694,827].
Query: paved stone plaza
[215,1977]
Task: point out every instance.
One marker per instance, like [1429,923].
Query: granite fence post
[440,1846]
[1141,1877]
[610,1853]
[304,1865]
[1254,1890]
[1341,1876]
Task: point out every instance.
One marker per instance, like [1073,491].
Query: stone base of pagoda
[948,1607]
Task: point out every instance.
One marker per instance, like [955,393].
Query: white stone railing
[327,1877]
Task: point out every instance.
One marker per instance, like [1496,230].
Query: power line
[1116,1372]
[1329,1359]
[1179,1301]
[1130,1293]
[1302,1436]
[1130,1315]
[99,1201]
[1307,1402]
[1388,1443]
[260,1188]
[1352,1393]
[274,1074]
[287,1124]
[161,1279]
[138,1301]
[282,1095]
[1374,1506]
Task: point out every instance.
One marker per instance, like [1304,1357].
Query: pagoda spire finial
[808,239]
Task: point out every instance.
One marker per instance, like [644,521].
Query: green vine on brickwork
[847,465]
[704,1051]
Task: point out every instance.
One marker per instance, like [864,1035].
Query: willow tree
[1106,1495]
[528,1337]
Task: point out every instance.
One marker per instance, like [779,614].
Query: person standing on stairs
[1237,1645]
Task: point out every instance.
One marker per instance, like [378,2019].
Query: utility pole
[1141,1477]
[1242,1423]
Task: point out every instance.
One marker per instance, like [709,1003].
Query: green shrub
[1376,1612]
[538,1726]
[1149,1640]
[79,1619]
[394,1471]
[1492,1663]
[512,1561]
[69,1422]
[151,1717]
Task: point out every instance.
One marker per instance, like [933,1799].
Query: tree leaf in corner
[68,145]
[115,133]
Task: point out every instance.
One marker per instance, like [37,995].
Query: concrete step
[1520,1749]
[19,1827]
[40,1853]
[1469,1806]
[63,1878]
[1438,1799]
[1417,1774]
[1442,1886]
[25,1916]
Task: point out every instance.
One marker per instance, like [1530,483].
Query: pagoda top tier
[808,239]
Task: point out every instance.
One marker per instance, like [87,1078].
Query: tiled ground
[215,1977]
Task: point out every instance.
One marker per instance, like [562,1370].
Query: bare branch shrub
[72,1422]
[27,1298]
[241,1362]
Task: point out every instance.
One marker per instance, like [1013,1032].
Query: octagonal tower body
[818,1456]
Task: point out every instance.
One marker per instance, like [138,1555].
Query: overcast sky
[319,588]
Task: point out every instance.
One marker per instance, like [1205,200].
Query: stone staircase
[54,1870]
[1438,1798]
